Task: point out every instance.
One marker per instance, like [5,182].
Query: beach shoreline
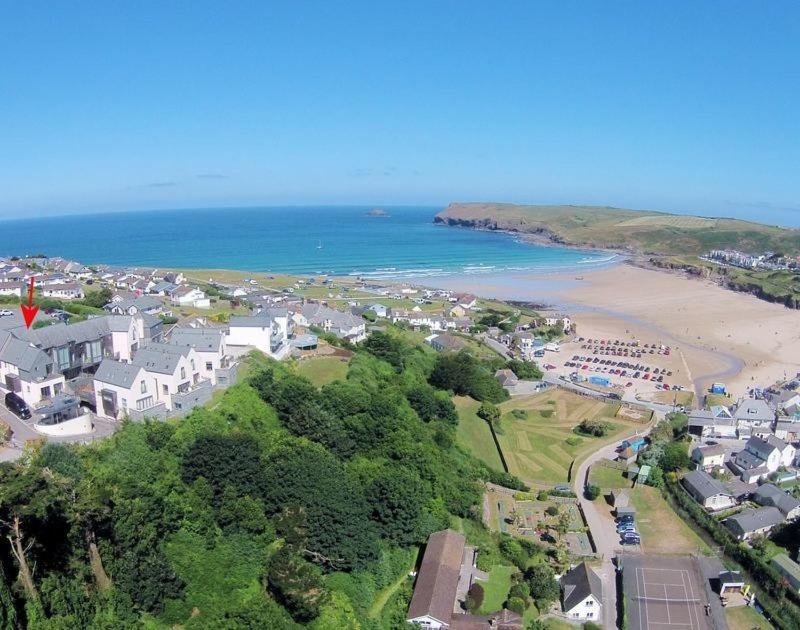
[722,335]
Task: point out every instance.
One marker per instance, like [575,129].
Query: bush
[519,414]
[573,440]
[594,428]
[542,496]
[524,369]
[474,598]
[516,604]
[552,510]
[591,491]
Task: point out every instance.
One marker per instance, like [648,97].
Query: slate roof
[117,373]
[201,339]
[771,495]
[752,520]
[437,580]
[256,321]
[753,410]
[90,330]
[140,302]
[160,357]
[578,583]
[703,485]
[20,353]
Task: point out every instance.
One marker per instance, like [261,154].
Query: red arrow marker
[29,311]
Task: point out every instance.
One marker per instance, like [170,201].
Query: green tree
[397,497]
[675,456]
[297,584]
[544,588]
[591,491]
[489,412]
[474,599]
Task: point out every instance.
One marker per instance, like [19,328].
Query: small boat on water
[319,246]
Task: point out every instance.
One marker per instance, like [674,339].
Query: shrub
[542,496]
[595,427]
[474,598]
[519,414]
[552,510]
[573,440]
[591,491]
[516,604]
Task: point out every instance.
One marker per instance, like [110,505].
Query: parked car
[5,313]
[631,540]
[17,406]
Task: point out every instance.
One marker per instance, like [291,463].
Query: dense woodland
[279,505]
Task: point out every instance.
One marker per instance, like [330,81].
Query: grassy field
[745,618]
[684,398]
[717,399]
[642,231]
[495,589]
[662,530]
[323,370]
[608,478]
[541,447]
[474,434]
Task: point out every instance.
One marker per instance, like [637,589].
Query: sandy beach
[722,335]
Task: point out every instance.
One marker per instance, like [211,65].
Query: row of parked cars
[626,528]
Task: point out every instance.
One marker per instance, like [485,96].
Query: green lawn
[662,530]
[495,589]
[474,434]
[323,370]
[745,618]
[608,478]
[541,447]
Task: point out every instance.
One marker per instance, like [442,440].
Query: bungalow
[465,300]
[445,575]
[12,288]
[190,296]
[66,291]
[770,495]
[506,378]
[789,569]
[752,522]
[379,309]
[343,325]
[581,593]
[457,311]
[162,288]
[708,457]
[441,343]
[707,491]
[135,304]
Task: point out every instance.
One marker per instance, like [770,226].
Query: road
[604,533]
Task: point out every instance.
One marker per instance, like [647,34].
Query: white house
[172,370]
[190,296]
[754,413]
[708,457]
[27,370]
[707,491]
[261,332]
[582,594]
[343,325]
[121,388]
[761,457]
[209,344]
[66,291]
[11,288]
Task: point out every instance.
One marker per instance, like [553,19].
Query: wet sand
[724,336]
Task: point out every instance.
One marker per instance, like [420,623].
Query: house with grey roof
[752,522]
[753,412]
[707,491]
[715,422]
[27,370]
[144,304]
[125,389]
[216,364]
[762,456]
[788,569]
[709,457]
[581,594]
[262,332]
[344,325]
[65,291]
[771,495]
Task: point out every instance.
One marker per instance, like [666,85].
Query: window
[193,368]
[144,403]
[143,387]
[183,372]
[125,403]
[45,392]
[94,351]
[62,356]
[166,389]
[209,366]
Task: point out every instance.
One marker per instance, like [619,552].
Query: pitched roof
[703,485]
[117,373]
[752,520]
[437,581]
[256,321]
[578,583]
[89,330]
[754,410]
[771,495]
[160,357]
[201,339]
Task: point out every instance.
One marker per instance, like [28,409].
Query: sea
[403,244]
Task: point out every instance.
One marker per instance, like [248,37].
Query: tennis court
[665,593]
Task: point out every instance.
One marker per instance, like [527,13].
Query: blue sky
[686,106]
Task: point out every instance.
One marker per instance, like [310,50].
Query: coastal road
[604,533]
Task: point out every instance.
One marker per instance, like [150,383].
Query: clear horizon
[686,108]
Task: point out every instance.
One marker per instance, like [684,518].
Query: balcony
[226,375]
[196,395]
[156,412]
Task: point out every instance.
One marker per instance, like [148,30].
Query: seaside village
[160,343]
